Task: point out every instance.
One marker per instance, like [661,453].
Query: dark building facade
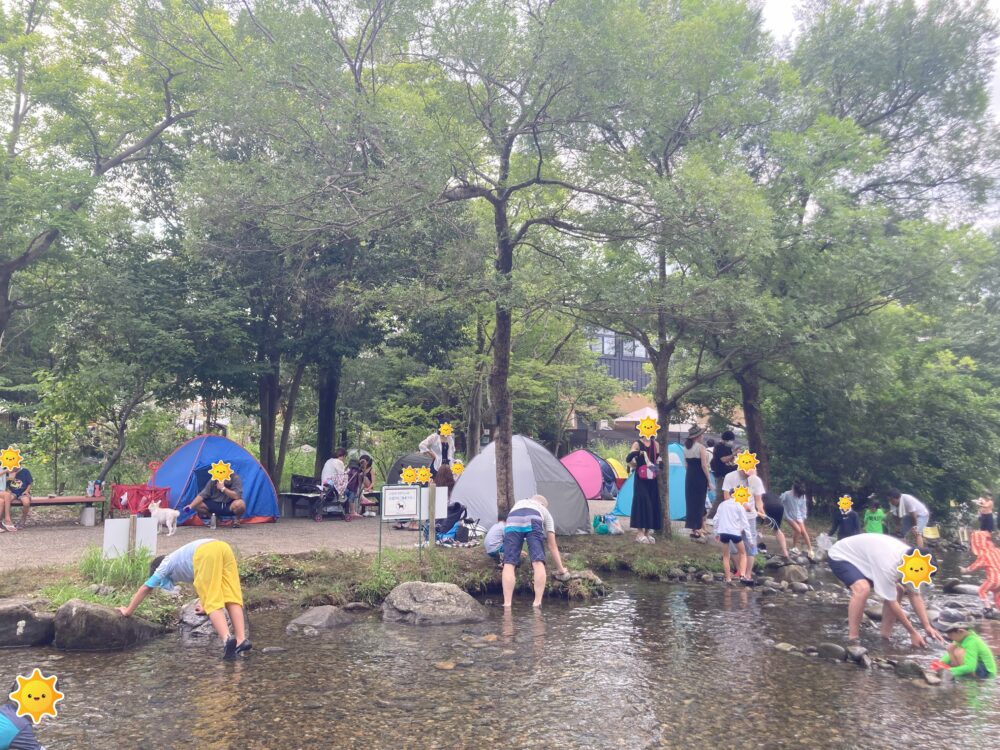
[622,357]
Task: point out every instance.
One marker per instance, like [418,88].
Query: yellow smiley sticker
[747,461]
[409,475]
[221,471]
[648,427]
[445,429]
[10,458]
[457,467]
[845,504]
[917,569]
[36,696]
[423,475]
[741,495]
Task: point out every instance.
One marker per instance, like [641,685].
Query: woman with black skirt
[647,514]
[696,481]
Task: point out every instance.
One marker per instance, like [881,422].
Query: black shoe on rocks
[244,646]
[748,581]
[230,651]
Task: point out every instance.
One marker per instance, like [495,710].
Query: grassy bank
[294,581]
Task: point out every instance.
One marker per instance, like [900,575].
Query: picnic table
[56,500]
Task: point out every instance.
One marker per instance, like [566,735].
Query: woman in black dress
[647,514]
[696,480]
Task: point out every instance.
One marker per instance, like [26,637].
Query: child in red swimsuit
[988,559]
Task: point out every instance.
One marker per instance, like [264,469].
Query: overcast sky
[779,17]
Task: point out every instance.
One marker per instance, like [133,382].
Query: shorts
[921,524]
[848,573]
[751,539]
[530,528]
[987,522]
[219,508]
[776,512]
[981,672]
[727,538]
[216,577]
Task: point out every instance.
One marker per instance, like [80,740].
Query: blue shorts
[727,538]
[848,573]
[521,527]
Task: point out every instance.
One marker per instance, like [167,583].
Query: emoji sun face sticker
[747,461]
[845,504]
[36,696]
[457,467]
[10,458]
[648,427]
[409,475]
[221,471]
[917,569]
[741,495]
[445,429]
[423,475]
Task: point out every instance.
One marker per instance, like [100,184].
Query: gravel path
[55,538]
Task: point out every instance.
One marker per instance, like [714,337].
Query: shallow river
[653,665]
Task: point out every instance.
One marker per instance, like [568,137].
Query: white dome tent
[536,471]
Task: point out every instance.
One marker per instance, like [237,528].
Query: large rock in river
[420,603]
[82,626]
[193,626]
[791,573]
[23,625]
[314,620]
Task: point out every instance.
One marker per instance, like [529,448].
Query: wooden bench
[41,501]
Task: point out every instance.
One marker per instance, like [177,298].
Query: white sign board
[116,536]
[440,502]
[400,501]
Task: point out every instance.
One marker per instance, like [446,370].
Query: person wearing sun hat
[967,653]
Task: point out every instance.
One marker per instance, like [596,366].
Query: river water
[652,665]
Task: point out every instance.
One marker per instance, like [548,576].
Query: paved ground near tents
[55,538]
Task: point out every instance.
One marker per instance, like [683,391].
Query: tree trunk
[661,391]
[287,412]
[114,457]
[327,391]
[664,408]
[475,410]
[268,396]
[500,373]
[749,382]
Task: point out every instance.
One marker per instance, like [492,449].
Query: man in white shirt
[912,514]
[529,521]
[754,509]
[869,562]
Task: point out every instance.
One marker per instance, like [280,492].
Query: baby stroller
[333,499]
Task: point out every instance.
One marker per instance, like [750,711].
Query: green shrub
[124,572]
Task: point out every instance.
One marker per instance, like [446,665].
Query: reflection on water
[653,665]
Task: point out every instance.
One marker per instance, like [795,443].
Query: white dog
[166,517]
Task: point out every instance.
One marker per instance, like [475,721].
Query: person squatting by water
[988,560]
[211,566]
[529,521]
[868,562]
[967,653]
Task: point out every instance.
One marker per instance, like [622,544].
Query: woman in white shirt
[440,449]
